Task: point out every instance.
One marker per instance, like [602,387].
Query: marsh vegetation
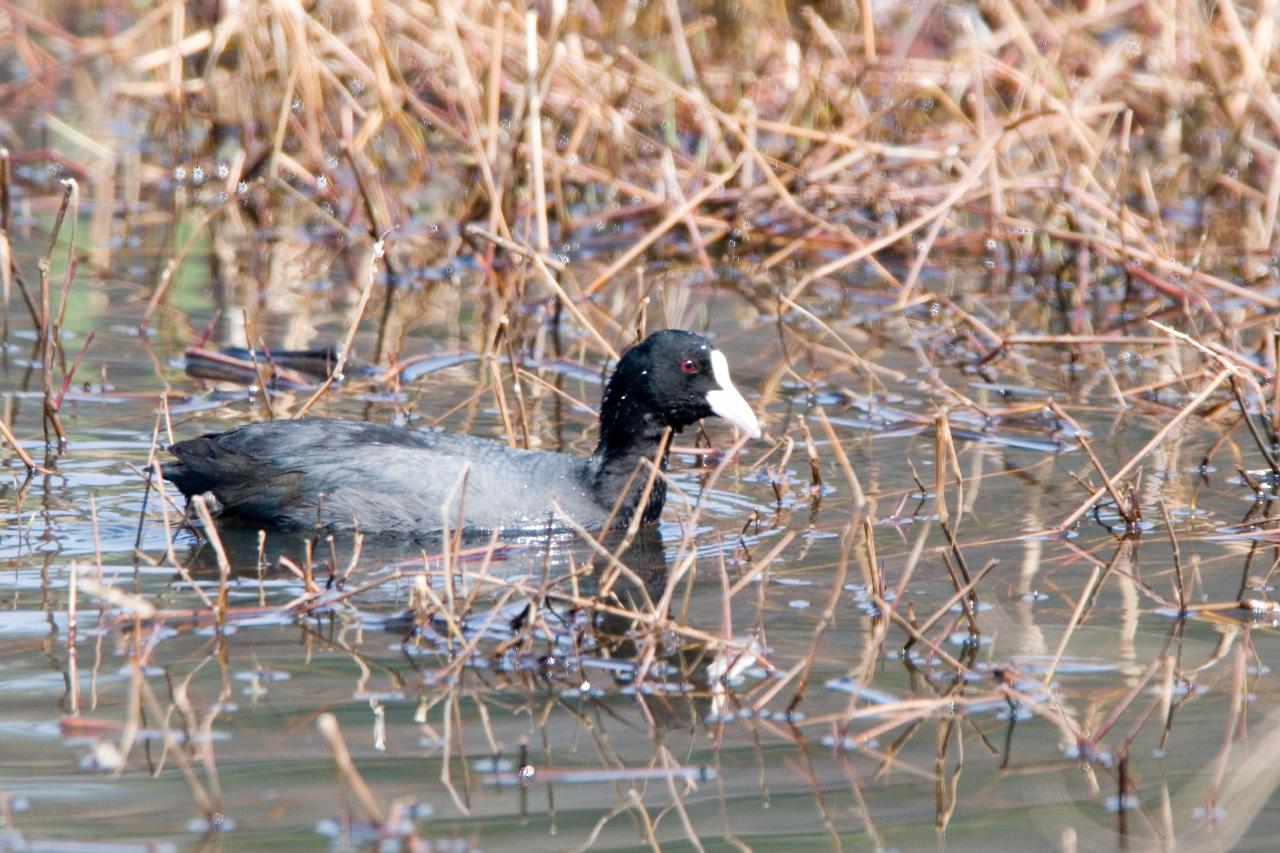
[999,279]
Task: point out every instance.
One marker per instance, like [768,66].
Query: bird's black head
[670,379]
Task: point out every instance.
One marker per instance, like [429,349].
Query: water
[1082,712]
[884,747]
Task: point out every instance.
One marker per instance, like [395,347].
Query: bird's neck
[627,440]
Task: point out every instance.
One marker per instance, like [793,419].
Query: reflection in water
[595,599]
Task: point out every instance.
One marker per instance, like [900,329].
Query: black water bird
[349,475]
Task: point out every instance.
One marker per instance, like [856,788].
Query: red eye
[688,366]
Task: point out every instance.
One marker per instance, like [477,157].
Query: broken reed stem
[916,636]
[48,329]
[375,229]
[327,724]
[500,397]
[465,654]
[517,389]
[913,560]
[494,91]
[123,602]
[73,197]
[1253,429]
[759,564]
[446,612]
[1126,510]
[519,249]
[859,499]
[449,544]
[73,673]
[1140,719]
[336,374]
[1130,466]
[961,594]
[157,483]
[224,566]
[1179,582]
[171,268]
[22,454]
[534,109]
[874,578]
[616,567]
[265,383]
[1085,595]
[208,805]
[652,621]
[71,374]
[46,260]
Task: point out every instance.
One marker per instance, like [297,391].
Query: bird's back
[344,475]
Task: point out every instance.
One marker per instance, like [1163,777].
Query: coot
[345,475]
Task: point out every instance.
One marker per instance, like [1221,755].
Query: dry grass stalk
[1130,466]
[48,327]
[1128,511]
[11,440]
[376,253]
[328,727]
[224,565]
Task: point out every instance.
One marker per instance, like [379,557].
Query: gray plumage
[297,474]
